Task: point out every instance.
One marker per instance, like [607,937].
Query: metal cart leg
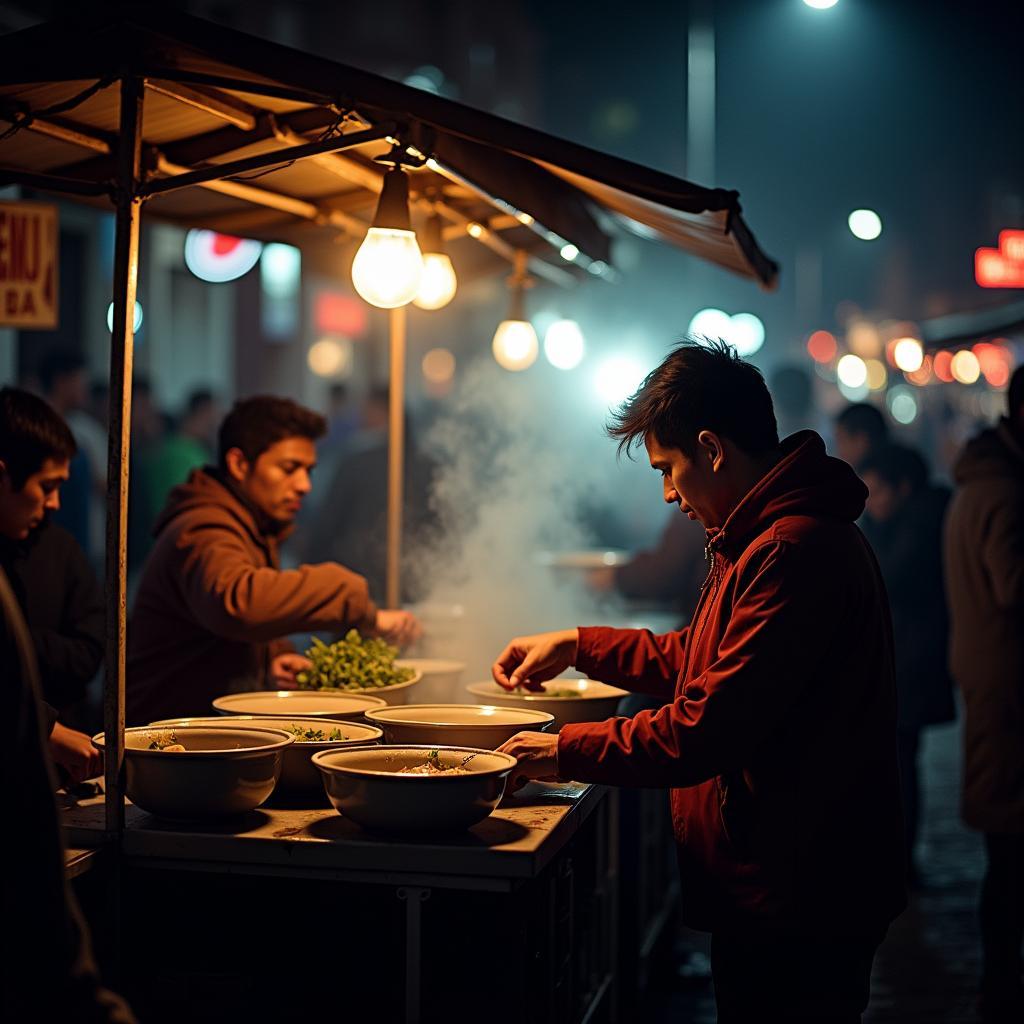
[413,896]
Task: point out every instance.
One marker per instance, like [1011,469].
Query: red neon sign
[1002,267]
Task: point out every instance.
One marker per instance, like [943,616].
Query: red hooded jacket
[778,737]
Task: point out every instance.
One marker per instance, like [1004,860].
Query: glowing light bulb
[563,344]
[388,267]
[821,5]
[515,344]
[908,354]
[438,284]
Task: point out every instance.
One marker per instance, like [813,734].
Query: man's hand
[537,754]
[531,660]
[74,752]
[398,627]
[284,667]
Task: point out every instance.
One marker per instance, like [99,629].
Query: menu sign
[28,265]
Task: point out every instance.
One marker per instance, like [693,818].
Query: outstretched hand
[529,661]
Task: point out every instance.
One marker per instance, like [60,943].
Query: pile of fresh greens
[311,735]
[354,663]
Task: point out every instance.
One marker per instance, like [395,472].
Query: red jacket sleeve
[773,646]
[635,659]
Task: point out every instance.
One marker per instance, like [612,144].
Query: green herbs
[353,663]
[304,735]
[435,766]
[562,693]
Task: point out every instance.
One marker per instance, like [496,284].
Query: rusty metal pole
[126,266]
[396,453]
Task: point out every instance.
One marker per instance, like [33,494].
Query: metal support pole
[126,265]
[413,896]
[396,453]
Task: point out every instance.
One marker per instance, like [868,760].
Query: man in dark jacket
[904,525]
[777,734]
[48,570]
[214,608]
[984,551]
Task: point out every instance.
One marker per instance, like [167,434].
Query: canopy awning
[216,97]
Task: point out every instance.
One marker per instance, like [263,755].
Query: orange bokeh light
[822,347]
[942,366]
[923,374]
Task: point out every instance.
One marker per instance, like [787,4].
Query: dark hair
[58,364]
[201,398]
[897,464]
[699,386]
[254,424]
[864,418]
[1015,393]
[30,433]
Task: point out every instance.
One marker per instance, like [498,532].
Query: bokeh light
[744,331]
[822,347]
[863,339]
[136,319]
[923,375]
[617,377]
[852,371]
[438,366]
[515,345]
[438,283]
[821,5]
[942,366]
[568,252]
[877,375]
[965,367]
[217,258]
[865,224]
[908,354]
[330,357]
[994,360]
[564,344]
[903,404]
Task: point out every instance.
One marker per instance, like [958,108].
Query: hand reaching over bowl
[537,756]
[75,753]
[284,667]
[398,627]
[529,661]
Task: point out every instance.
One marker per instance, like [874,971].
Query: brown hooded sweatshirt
[212,605]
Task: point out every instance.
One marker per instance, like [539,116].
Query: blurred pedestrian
[860,429]
[906,513]
[984,550]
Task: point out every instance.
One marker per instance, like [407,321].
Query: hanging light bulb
[389,266]
[438,284]
[515,341]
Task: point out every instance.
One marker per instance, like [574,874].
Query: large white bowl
[442,679]
[223,771]
[346,707]
[596,701]
[298,776]
[364,784]
[460,725]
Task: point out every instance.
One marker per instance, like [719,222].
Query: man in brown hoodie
[213,607]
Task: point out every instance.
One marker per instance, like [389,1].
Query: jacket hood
[804,482]
[994,452]
[208,488]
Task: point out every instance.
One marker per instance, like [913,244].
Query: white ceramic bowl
[223,771]
[346,707]
[365,784]
[596,701]
[298,776]
[459,725]
[442,679]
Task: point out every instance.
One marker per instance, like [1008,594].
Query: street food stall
[203,126]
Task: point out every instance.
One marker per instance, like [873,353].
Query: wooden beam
[210,101]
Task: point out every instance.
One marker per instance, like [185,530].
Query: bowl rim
[284,739]
[529,696]
[452,664]
[376,702]
[320,760]
[541,718]
[318,720]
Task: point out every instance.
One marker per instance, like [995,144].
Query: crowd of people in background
[952,561]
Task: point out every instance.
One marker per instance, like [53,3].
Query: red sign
[28,265]
[1002,267]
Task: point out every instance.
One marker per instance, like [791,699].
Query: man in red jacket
[777,737]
